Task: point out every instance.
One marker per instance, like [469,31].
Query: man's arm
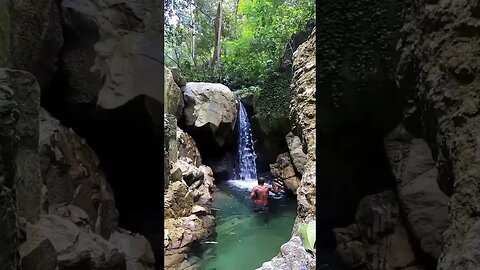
[276,189]
[252,194]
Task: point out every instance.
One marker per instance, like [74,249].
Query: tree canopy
[251,36]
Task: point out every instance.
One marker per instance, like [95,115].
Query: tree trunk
[218,35]
[192,13]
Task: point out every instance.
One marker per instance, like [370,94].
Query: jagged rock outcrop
[210,112]
[187,148]
[172,96]
[188,188]
[31,37]
[136,248]
[109,60]
[67,242]
[71,174]
[303,117]
[63,238]
[28,184]
[295,147]
[10,114]
[377,240]
[177,76]
[283,172]
[102,39]
[286,62]
[292,256]
[438,72]
[424,204]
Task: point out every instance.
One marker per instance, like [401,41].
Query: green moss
[273,102]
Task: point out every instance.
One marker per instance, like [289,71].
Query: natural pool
[244,239]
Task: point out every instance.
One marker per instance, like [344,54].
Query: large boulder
[137,250]
[284,172]
[210,113]
[110,55]
[56,242]
[438,71]
[295,146]
[31,37]
[377,240]
[71,174]
[424,204]
[292,256]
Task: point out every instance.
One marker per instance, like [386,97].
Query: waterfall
[246,151]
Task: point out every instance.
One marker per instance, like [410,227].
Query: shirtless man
[260,193]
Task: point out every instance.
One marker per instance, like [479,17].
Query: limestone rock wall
[438,72]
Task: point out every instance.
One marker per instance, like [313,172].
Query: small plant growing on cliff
[307,233]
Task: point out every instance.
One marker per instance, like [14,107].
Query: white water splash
[246,151]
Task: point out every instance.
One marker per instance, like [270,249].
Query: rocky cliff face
[421,74]
[188,183]
[439,73]
[58,210]
[302,115]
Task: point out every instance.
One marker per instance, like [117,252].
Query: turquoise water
[244,239]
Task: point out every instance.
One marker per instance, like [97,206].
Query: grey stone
[211,106]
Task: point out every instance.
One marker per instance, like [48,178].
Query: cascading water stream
[246,151]
[247,174]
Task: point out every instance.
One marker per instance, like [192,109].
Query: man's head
[261,181]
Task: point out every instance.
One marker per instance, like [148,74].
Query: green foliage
[246,91]
[265,27]
[254,35]
[273,102]
[307,233]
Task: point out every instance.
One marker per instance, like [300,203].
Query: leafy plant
[307,233]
